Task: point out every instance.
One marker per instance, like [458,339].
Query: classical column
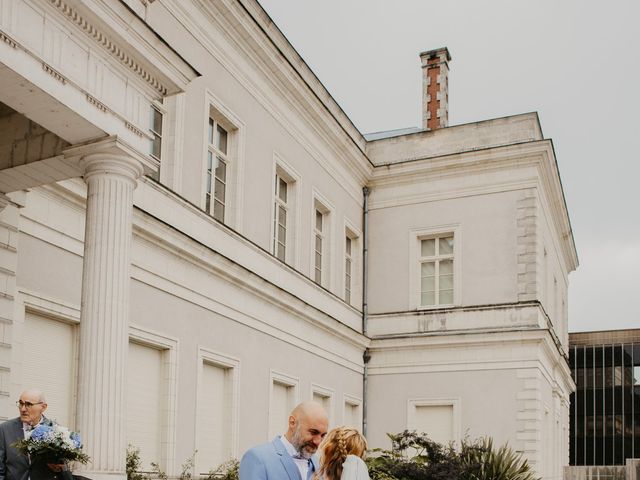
[111,178]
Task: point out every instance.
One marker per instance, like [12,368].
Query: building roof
[602,337]
[391,133]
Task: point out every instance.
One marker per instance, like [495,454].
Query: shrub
[414,456]
[484,462]
[133,464]
[225,471]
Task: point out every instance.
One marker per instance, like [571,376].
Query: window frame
[215,155]
[318,239]
[215,109]
[415,256]
[169,348]
[349,230]
[215,358]
[456,403]
[322,205]
[156,106]
[285,380]
[437,259]
[352,401]
[328,393]
[284,171]
[159,107]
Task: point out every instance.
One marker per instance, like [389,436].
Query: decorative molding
[8,40]
[101,38]
[54,73]
[134,129]
[527,246]
[529,415]
[97,103]
[455,403]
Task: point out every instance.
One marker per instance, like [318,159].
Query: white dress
[354,468]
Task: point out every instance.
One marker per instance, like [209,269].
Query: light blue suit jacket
[271,461]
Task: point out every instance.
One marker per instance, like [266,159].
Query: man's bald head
[32,405]
[308,424]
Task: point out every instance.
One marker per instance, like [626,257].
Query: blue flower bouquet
[52,443]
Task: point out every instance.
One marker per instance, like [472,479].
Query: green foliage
[486,463]
[225,471]
[187,467]
[158,472]
[414,456]
[133,466]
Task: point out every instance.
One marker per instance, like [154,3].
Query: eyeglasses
[27,405]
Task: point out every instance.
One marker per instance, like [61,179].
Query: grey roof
[391,133]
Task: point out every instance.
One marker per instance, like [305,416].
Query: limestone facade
[186,249]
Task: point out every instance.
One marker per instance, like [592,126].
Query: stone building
[195,237]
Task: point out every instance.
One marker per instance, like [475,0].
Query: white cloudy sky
[575,62]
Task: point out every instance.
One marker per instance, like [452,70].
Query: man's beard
[306,449]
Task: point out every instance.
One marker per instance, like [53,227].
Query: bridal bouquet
[52,443]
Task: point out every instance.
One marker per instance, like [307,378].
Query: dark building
[605,408]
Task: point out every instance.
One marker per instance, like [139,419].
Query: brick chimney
[435,88]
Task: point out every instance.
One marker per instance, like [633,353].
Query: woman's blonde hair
[339,442]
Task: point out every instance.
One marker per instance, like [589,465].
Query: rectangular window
[217,162]
[281,211]
[323,396]
[216,410]
[439,418]
[318,246]
[145,402]
[155,143]
[155,129]
[436,271]
[50,363]
[151,397]
[352,416]
[283,398]
[348,265]
[214,427]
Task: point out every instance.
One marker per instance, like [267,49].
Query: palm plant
[484,462]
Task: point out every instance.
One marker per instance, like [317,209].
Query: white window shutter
[144,402]
[50,364]
[214,422]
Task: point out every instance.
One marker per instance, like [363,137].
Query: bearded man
[292,455]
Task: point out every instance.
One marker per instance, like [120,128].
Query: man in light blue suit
[292,455]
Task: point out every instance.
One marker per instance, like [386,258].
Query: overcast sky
[575,62]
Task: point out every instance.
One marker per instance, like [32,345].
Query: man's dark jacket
[14,465]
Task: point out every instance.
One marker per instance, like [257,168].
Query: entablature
[93,64]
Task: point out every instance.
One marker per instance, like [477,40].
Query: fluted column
[111,179]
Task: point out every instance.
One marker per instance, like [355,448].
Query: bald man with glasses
[15,465]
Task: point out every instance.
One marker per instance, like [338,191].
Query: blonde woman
[341,455]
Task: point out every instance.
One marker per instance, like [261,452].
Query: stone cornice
[157,66]
[297,62]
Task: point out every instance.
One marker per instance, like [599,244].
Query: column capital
[110,155]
